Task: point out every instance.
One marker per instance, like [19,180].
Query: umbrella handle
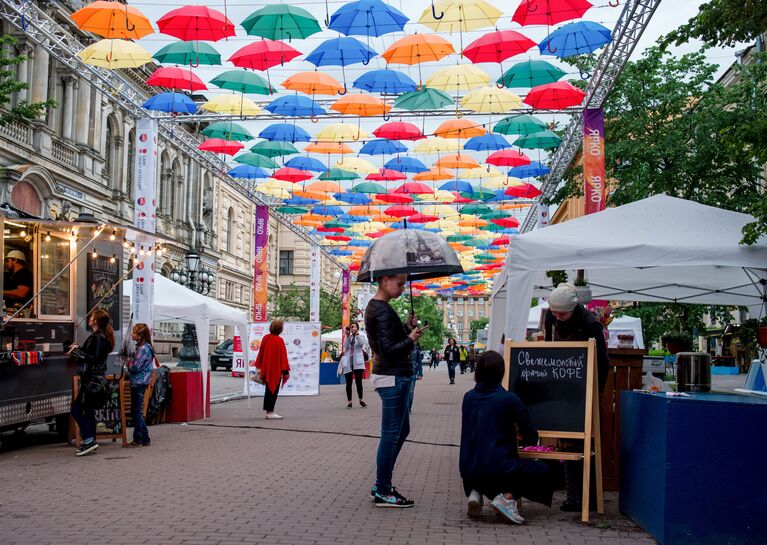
[386,117]
[585,75]
[434,13]
[346,90]
[549,48]
[130,27]
[290,36]
[499,85]
[314,119]
[530,7]
[366,61]
[614,4]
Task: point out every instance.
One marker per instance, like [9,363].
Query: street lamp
[199,280]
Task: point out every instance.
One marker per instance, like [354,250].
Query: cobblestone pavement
[237,478]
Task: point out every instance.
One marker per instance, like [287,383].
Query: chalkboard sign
[104,286]
[110,419]
[552,380]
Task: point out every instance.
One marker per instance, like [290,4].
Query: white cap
[563,298]
[16,254]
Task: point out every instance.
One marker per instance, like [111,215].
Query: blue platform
[693,470]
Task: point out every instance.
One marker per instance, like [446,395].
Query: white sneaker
[273,416]
[475,504]
[507,508]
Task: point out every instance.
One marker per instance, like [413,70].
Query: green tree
[476,325]
[9,86]
[723,23]
[292,303]
[427,311]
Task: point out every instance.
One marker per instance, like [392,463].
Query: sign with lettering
[104,286]
[594,190]
[260,264]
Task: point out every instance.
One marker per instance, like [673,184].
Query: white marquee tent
[661,249]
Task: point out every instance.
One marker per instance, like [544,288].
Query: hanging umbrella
[462,186]
[112,20]
[549,12]
[456,161]
[352,198]
[306,163]
[424,99]
[370,188]
[249,172]
[400,211]
[390,82]
[263,54]
[394,198]
[382,146]
[360,105]
[437,144]
[477,172]
[508,158]
[406,164]
[530,73]
[526,191]
[285,132]
[519,124]
[356,164]
[341,52]
[325,185]
[313,83]
[330,211]
[267,188]
[242,81]
[497,46]
[414,188]
[292,210]
[294,106]
[459,128]
[255,160]
[367,18]
[171,103]
[434,174]
[386,175]
[398,130]
[192,53]
[554,96]
[281,22]
[217,145]
[232,105]
[293,175]
[491,100]
[575,39]
[337,148]
[270,149]
[340,132]
[487,142]
[459,15]
[417,49]
[176,78]
[532,170]
[196,23]
[113,54]
[455,78]
[339,175]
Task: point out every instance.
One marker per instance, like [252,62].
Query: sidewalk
[237,478]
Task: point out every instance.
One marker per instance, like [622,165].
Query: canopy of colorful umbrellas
[464,178]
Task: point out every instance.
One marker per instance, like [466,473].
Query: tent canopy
[335,336]
[661,249]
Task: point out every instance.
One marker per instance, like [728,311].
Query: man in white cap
[568,320]
[18,281]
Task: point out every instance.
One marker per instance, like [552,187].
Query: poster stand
[113,412]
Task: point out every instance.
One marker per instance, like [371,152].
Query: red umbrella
[554,96]
[460,198]
[323,229]
[395,198]
[289,174]
[377,234]
[414,188]
[526,191]
[497,46]
[503,240]
[399,130]
[354,266]
[196,23]
[400,211]
[218,145]
[264,54]
[549,12]
[338,238]
[176,78]
[386,174]
[489,267]
[422,218]
[506,222]
[508,158]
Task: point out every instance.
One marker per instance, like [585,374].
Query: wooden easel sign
[110,419]
[557,383]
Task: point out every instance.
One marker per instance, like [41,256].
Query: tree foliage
[427,311]
[476,325]
[292,303]
[9,86]
[723,23]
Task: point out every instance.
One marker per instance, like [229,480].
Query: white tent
[659,249]
[175,303]
[335,336]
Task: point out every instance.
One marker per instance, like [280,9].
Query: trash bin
[693,372]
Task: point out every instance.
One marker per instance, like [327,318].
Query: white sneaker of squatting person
[507,508]
[475,504]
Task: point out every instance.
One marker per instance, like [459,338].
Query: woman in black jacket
[452,355]
[391,342]
[93,363]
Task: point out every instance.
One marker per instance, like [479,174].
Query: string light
[95,254]
[113,235]
[47,237]
[113,259]
[23,233]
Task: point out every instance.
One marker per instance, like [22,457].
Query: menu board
[302,341]
[103,286]
[54,259]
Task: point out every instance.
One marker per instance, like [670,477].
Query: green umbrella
[338,174]
[478,195]
[281,22]
[191,53]
[485,257]
[519,124]
[273,148]
[495,214]
[475,209]
[492,227]
[530,73]
[473,242]
[227,131]
[336,225]
[255,160]
[369,187]
[292,210]
[243,82]
[458,238]
[425,99]
[542,139]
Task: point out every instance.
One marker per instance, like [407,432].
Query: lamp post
[199,280]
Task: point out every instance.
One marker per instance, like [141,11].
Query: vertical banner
[345,307]
[260,264]
[314,285]
[145,218]
[594,189]
[543,215]
[364,295]
[238,358]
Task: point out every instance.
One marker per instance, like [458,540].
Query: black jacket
[97,349]
[388,340]
[452,354]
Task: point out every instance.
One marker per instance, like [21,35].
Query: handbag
[95,393]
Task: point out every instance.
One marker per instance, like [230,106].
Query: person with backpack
[140,371]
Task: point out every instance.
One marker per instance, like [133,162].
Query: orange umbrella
[329,147]
[316,217]
[418,48]
[456,161]
[459,128]
[361,105]
[324,187]
[363,210]
[472,222]
[113,20]
[307,223]
[433,174]
[313,83]
[316,195]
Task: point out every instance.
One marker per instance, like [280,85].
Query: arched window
[131,163]
[230,230]
[163,182]
[173,194]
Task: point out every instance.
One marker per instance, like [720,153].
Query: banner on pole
[238,357]
[594,189]
[364,295]
[261,265]
[314,285]
[345,308]
[543,215]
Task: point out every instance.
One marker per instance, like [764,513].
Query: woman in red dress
[273,366]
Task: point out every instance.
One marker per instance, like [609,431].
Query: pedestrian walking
[434,362]
[418,362]
[273,366]
[391,343]
[451,358]
[489,464]
[352,364]
[140,372]
[472,358]
[92,366]
[462,358]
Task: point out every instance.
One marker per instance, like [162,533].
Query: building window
[459,325]
[229,229]
[460,314]
[481,313]
[471,313]
[286,261]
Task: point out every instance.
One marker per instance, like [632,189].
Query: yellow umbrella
[340,132]
[367,227]
[460,76]
[441,211]
[276,192]
[232,105]
[496,182]
[491,100]
[437,144]
[479,173]
[358,165]
[460,15]
[273,183]
[442,195]
[113,54]
[337,148]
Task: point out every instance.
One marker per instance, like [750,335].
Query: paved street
[237,478]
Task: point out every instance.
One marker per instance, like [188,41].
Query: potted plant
[677,342]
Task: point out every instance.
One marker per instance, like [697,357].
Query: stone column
[69,107]
[39,86]
[22,70]
[83,113]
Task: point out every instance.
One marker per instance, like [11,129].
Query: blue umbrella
[285,132]
[341,52]
[306,163]
[339,251]
[487,142]
[295,106]
[406,164]
[171,102]
[499,196]
[382,146]
[462,186]
[385,81]
[359,243]
[299,201]
[532,170]
[324,210]
[352,198]
[367,18]
[248,172]
[575,39]
[348,218]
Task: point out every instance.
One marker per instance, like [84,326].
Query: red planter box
[186,404]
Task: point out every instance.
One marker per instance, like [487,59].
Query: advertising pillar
[594,189]
[261,265]
[145,219]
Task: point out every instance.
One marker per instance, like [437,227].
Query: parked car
[222,356]
[426,357]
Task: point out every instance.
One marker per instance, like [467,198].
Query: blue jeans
[140,431]
[85,418]
[395,427]
[451,370]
